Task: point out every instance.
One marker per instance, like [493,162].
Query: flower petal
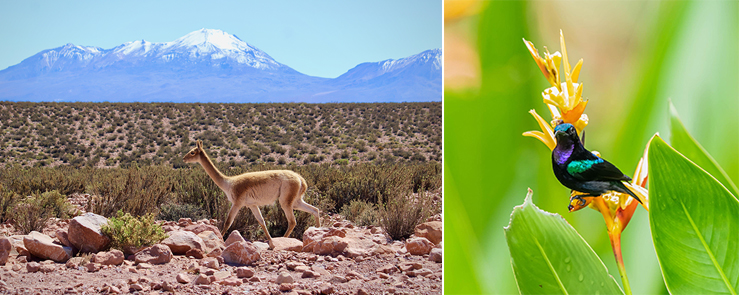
[576,71]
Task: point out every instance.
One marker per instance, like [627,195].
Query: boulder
[63,237]
[234,237]
[436,255]
[210,262]
[287,244]
[330,245]
[430,230]
[284,278]
[195,253]
[112,257]
[5,247]
[198,228]
[212,241]
[241,253]
[43,246]
[244,272]
[313,234]
[181,241]
[85,234]
[418,246]
[157,254]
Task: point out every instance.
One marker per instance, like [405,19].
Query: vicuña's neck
[212,171]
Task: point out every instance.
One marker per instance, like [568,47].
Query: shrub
[127,232]
[173,212]
[399,216]
[360,212]
[32,213]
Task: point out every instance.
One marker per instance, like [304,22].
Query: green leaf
[550,257]
[695,225]
[682,141]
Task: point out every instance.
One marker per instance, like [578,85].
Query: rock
[286,287]
[231,282]
[167,286]
[337,279]
[201,280]
[182,278]
[198,228]
[327,288]
[112,257]
[181,241]
[221,275]
[436,255]
[234,237]
[310,274]
[85,234]
[5,247]
[33,266]
[183,222]
[92,267]
[195,253]
[406,266]
[388,269]
[210,262]
[330,245]
[63,237]
[215,253]
[212,240]
[43,246]
[241,253]
[362,291]
[291,265]
[287,244]
[284,278]
[144,265]
[156,254]
[418,246]
[430,230]
[313,234]
[301,268]
[261,246]
[46,268]
[337,232]
[244,272]
[136,287]
[74,262]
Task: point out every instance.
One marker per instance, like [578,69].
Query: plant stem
[616,245]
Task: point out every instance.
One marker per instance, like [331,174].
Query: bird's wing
[595,169]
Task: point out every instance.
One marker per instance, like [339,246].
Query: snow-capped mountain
[208,66]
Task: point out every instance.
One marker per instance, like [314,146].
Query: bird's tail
[638,192]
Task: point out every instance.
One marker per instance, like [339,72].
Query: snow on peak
[217,45]
[432,55]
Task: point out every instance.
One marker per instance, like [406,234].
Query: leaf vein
[549,263]
[708,250]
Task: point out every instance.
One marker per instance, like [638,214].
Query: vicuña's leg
[290,219]
[305,207]
[260,219]
[230,219]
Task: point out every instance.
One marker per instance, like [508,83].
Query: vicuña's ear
[200,144]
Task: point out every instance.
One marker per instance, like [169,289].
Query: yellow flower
[546,135]
[563,98]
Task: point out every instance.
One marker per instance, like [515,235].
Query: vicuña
[256,189]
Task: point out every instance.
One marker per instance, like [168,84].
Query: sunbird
[580,170]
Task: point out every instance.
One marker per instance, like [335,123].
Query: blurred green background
[637,55]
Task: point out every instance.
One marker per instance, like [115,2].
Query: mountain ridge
[209,65]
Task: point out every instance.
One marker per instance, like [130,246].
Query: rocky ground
[338,259]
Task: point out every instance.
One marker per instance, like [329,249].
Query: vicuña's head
[194,154]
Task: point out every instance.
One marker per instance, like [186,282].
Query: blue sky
[318,38]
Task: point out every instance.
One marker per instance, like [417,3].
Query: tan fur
[256,189]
